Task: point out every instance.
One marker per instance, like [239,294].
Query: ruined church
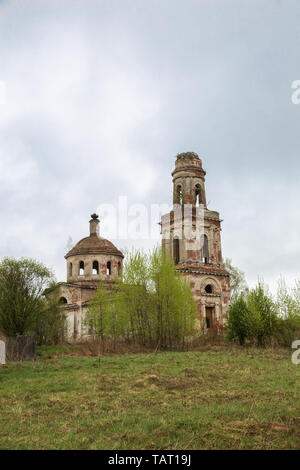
[197,258]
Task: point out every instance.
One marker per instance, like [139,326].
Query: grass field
[222,398]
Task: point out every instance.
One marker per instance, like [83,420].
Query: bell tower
[188,180]
[191,235]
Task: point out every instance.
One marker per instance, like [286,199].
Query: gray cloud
[102,95]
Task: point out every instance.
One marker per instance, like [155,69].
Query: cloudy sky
[98,96]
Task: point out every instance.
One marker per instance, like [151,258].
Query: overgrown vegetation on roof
[187,155]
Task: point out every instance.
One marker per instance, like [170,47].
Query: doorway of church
[209,318]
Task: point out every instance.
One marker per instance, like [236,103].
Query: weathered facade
[92,259]
[191,234]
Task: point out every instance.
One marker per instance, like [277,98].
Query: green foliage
[238,284]
[99,311]
[152,305]
[174,303]
[105,317]
[254,317]
[259,319]
[237,320]
[262,314]
[288,300]
[22,283]
[136,298]
[288,305]
[51,321]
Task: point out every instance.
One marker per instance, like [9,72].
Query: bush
[261,315]
[259,319]
[237,320]
[288,305]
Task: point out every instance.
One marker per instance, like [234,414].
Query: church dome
[94,258]
[94,245]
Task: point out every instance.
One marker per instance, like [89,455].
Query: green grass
[217,399]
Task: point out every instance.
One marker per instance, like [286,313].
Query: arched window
[70,269]
[209,289]
[119,268]
[108,268]
[204,249]
[81,268]
[63,300]
[179,194]
[95,267]
[176,253]
[197,194]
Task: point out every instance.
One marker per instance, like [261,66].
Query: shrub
[258,318]
[288,305]
[253,317]
[237,320]
[261,315]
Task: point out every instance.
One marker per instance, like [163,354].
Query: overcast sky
[101,96]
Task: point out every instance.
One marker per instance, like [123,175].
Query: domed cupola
[94,258]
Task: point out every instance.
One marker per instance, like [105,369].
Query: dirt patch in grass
[179,383]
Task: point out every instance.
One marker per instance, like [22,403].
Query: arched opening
[204,249]
[70,269]
[197,194]
[176,253]
[81,268]
[119,268]
[179,194]
[108,268]
[209,289]
[95,267]
[63,301]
